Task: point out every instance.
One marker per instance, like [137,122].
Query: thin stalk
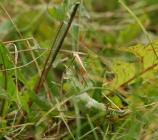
[63,119]
[5,84]
[92,128]
[78,121]
[60,37]
[26,43]
[140,24]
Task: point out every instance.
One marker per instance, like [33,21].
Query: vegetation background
[103,83]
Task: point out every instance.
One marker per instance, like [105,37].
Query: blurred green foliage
[103,84]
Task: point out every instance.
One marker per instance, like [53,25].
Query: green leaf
[42,104]
[58,12]
[3,94]
[7,63]
[24,99]
[145,66]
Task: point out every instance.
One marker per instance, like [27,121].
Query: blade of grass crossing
[63,119]
[56,45]
[140,24]
[92,127]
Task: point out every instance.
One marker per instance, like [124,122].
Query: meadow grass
[78,70]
